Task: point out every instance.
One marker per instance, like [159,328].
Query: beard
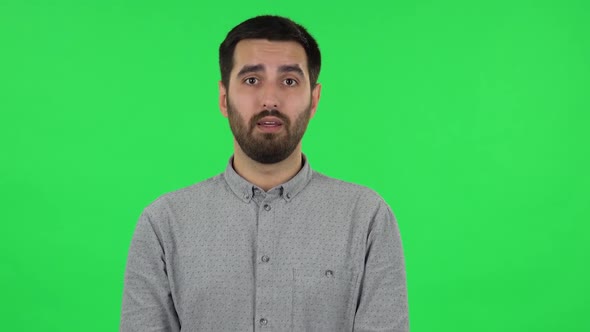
[267,148]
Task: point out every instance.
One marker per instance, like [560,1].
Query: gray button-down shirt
[312,254]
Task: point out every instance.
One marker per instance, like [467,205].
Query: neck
[266,176]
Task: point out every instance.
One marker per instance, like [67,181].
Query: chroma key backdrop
[470,118]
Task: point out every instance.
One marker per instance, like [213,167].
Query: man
[270,244]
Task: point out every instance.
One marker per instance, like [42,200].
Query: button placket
[264,277]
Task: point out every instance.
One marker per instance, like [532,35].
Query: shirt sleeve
[147,300]
[383,302]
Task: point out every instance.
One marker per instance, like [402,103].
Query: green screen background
[469,117]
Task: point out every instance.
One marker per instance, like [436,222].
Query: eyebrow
[282,69]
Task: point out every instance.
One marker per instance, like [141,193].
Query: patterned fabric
[312,254]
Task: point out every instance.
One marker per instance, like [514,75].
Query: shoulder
[187,196]
[364,205]
[349,192]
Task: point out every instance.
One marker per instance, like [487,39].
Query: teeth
[269,123]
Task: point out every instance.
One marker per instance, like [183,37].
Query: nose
[270,106]
[270,99]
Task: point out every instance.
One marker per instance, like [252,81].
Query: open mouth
[269,124]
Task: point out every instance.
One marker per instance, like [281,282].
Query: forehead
[269,53]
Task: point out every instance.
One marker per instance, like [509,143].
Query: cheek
[298,101]
[244,99]
[244,103]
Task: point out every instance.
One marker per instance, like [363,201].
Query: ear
[315,98]
[222,99]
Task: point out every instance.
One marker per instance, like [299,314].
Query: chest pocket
[322,299]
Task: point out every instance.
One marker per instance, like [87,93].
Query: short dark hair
[273,28]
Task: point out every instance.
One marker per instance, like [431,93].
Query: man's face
[268,102]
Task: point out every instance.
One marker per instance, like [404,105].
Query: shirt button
[288,195]
[246,196]
[267,207]
[263,321]
[329,273]
[265,258]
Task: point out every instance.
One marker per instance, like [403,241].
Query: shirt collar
[244,189]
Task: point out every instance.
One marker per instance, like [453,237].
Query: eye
[290,82]
[251,80]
